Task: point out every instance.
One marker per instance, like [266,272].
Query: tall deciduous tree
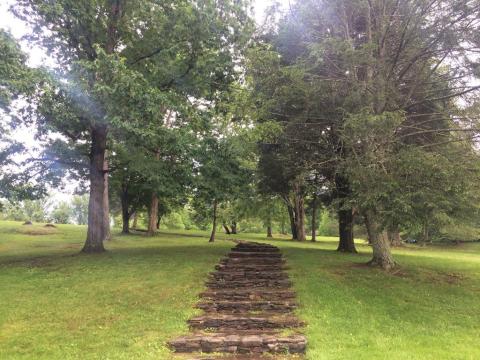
[157,48]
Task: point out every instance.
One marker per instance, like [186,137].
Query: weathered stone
[252,283]
[250,279]
[243,344]
[252,341]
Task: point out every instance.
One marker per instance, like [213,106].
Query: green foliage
[79,208]
[27,210]
[220,176]
[13,71]
[61,213]
[328,226]
[16,80]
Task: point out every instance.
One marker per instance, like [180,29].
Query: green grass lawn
[126,303]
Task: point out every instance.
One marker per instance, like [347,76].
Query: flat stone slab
[252,260]
[249,294]
[243,322]
[248,275]
[261,254]
[255,344]
[253,283]
[250,267]
[249,305]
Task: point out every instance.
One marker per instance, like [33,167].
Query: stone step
[252,283]
[249,305]
[249,267]
[228,322]
[252,260]
[257,294]
[245,254]
[248,275]
[256,249]
[250,344]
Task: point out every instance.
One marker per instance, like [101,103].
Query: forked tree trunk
[96,228]
[269,231]
[345,230]
[153,215]
[106,204]
[227,230]
[382,254]
[159,219]
[234,228]
[135,220]
[214,225]
[125,210]
[314,218]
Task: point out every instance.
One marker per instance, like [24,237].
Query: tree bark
[394,237]
[293,224]
[153,215]
[300,215]
[125,210]
[135,220]
[269,231]
[425,234]
[106,204]
[345,230]
[382,255]
[159,219]
[234,228]
[96,228]
[345,217]
[227,230]
[314,218]
[214,225]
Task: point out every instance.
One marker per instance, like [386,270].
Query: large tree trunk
[345,229]
[96,228]
[269,231]
[345,217]
[293,223]
[125,210]
[214,225]
[382,255]
[234,227]
[153,215]
[314,218]
[106,204]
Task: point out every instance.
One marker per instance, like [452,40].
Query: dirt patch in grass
[446,277]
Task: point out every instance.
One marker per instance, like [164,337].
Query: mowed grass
[126,303]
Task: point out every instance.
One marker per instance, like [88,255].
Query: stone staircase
[248,308]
